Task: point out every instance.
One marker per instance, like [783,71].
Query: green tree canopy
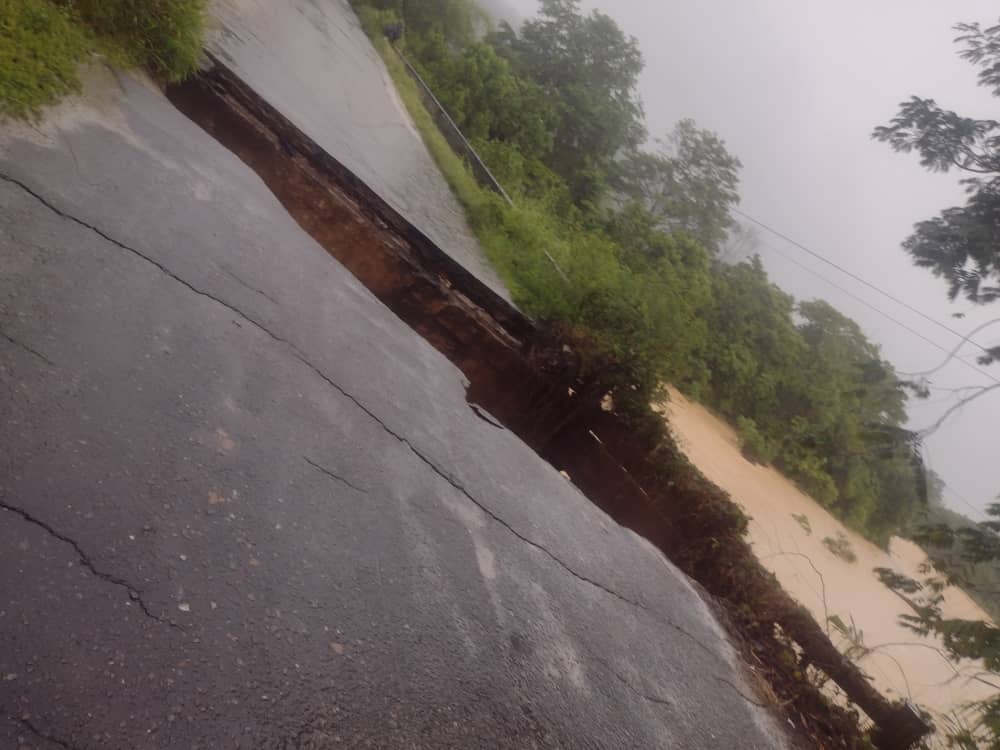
[589,68]
[962,244]
[689,184]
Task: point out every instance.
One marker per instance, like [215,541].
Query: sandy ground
[903,664]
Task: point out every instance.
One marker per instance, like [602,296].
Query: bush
[164,36]
[42,46]
[45,42]
[756,448]
[809,473]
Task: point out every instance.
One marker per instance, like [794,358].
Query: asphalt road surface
[312,61]
[244,506]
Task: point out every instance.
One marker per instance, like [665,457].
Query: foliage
[689,184]
[43,44]
[755,446]
[841,547]
[452,21]
[962,244]
[163,36]
[589,69]
[633,275]
[959,550]
[489,102]
[46,40]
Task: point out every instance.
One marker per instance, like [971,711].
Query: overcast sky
[795,89]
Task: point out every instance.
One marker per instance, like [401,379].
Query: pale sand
[852,590]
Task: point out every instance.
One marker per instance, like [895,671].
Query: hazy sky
[795,89]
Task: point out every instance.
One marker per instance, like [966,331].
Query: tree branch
[967,339]
[927,431]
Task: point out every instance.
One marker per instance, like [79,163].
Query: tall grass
[41,46]
[43,42]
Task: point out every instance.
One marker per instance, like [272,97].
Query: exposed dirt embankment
[530,380]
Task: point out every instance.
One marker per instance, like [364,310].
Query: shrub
[44,43]
[756,448]
[164,36]
[42,46]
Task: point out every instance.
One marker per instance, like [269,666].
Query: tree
[689,184]
[589,68]
[490,102]
[962,244]
[958,553]
[455,20]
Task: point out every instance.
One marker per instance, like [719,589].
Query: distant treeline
[638,236]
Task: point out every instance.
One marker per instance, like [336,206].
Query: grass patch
[44,42]
[163,36]
[42,46]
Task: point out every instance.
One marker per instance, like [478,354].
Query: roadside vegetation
[45,41]
[619,242]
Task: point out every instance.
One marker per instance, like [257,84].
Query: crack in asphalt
[242,283]
[632,688]
[299,355]
[332,475]
[27,348]
[134,594]
[27,724]
[530,542]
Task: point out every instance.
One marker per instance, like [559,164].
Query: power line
[883,313]
[948,488]
[858,278]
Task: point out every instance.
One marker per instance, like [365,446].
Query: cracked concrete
[27,348]
[334,476]
[133,593]
[195,442]
[326,378]
[26,724]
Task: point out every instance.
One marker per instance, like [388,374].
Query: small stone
[184,607]
[9,677]
[338,648]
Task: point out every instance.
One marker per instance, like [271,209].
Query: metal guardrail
[451,132]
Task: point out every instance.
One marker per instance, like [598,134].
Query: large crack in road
[134,593]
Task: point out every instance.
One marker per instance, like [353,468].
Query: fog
[795,89]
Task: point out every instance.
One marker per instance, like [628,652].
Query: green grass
[42,46]
[45,41]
